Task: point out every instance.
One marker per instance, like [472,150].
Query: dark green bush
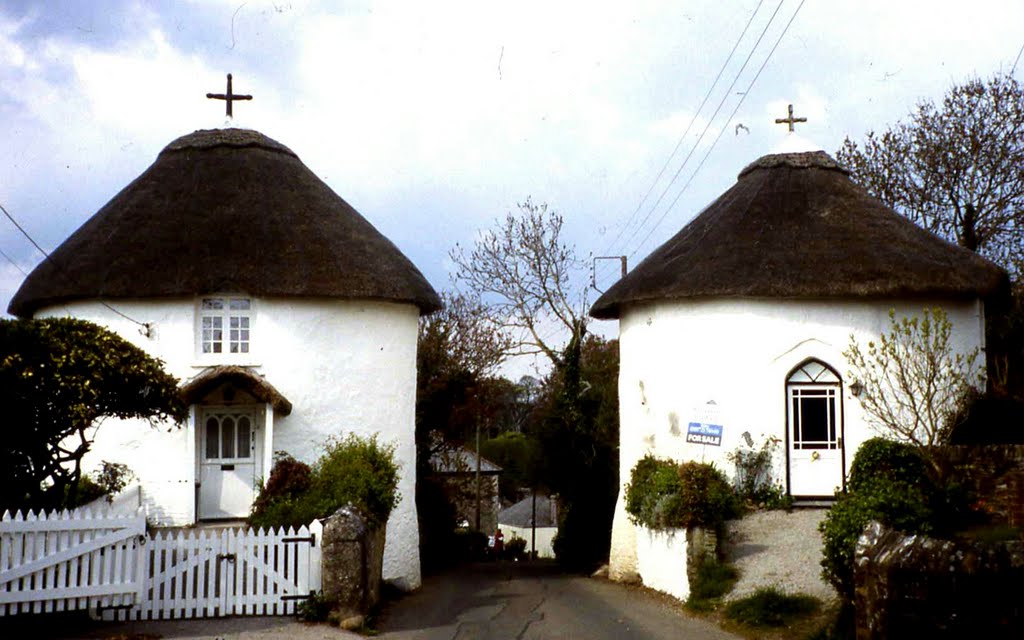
[708,497]
[515,548]
[770,607]
[988,418]
[662,494]
[360,471]
[882,458]
[888,483]
[353,470]
[288,479]
[469,545]
[108,481]
[712,580]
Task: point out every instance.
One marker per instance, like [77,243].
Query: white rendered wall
[661,560]
[545,538]
[676,356]
[346,367]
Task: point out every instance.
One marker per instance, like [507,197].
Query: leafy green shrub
[516,548]
[754,482]
[107,482]
[315,608]
[353,470]
[713,580]
[883,458]
[888,483]
[770,607]
[360,471]
[289,478]
[83,493]
[662,494]
[708,498]
[469,545]
[652,493]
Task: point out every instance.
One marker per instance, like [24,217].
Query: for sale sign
[704,433]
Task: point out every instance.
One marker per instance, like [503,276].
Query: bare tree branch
[956,168]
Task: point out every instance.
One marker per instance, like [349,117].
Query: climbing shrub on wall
[664,494]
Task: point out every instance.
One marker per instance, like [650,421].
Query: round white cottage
[733,331]
[287,316]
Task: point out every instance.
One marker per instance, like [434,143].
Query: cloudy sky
[434,118]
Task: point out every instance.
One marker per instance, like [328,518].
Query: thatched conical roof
[226,210]
[795,226]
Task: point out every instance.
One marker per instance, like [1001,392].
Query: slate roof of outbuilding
[225,210]
[795,226]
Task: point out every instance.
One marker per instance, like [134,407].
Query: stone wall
[995,474]
[352,563]
[921,587]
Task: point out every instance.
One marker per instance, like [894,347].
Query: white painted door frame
[814,431]
[230,446]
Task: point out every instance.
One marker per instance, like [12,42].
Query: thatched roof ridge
[225,211]
[242,378]
[795,226]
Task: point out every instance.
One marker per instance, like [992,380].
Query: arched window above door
[814,371]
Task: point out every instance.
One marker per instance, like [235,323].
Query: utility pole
[478,468]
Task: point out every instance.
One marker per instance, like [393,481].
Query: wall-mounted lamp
[856,388]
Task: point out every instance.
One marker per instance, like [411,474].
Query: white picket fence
[107,564]
[63,561]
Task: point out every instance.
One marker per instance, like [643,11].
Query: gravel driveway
[781,549]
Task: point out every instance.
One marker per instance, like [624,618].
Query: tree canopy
[956,167]
[58,377]
[534,285]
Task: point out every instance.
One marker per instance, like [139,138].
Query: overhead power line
[682,138]
[696,144]
[721,103]
[739,104]
[13,263]
[60,270]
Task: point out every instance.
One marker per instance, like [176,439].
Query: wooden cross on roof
[228,97]
[790,120]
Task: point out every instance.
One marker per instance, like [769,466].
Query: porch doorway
[814,431]
[230,452]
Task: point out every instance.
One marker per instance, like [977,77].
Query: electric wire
[60,270]
[707,127]
[719,136]
[682,138]
[13,263]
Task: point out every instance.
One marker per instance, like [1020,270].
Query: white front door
[815,431]
[230,461]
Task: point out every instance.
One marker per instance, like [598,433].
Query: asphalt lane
[500,601]
[536,602]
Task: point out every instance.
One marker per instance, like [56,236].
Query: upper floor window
[225,324]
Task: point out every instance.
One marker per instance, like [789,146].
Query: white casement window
[225,325]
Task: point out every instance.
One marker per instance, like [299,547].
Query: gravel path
[780,549]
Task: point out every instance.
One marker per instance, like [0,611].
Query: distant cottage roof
[795,226]
[225,210]
[461,461]
[521,513]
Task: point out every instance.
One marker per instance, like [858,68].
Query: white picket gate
[63,561]
[57,563]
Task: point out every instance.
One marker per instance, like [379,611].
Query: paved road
[517,601]
[507,601]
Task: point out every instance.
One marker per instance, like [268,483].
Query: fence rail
[69,560]
[106,563]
